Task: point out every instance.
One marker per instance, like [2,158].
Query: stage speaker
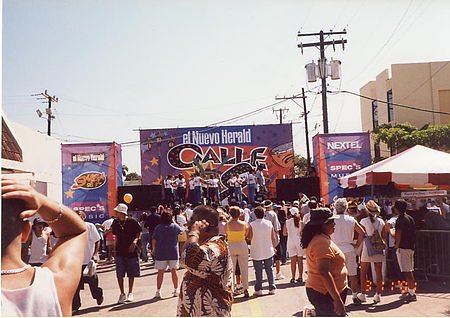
[288,189]
[144,196]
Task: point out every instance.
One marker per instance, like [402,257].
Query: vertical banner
[337,155]
[91,174]
[221,150]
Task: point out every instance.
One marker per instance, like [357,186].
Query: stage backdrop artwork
[91,175]
[224,150]
[337,155]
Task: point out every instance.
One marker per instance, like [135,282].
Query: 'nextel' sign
[342,145]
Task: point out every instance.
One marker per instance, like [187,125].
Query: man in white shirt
[262,248]
[189,211]
[245,212]
[271,216]
[306,212]
[343,237]
[90,253]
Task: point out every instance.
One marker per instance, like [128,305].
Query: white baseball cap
[294,211]
[122,208]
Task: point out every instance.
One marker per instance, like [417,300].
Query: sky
[119,66]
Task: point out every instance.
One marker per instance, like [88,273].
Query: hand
[11,189]
[198,226]
[132,247]
[339,307]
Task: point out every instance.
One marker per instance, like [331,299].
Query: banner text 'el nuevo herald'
[91,174]
[337,155]
[222,150]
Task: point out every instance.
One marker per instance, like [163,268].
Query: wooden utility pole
[305,115]
[322,65]
[281,110]
[48,111]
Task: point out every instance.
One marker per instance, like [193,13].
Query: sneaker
[377,298]
[122,299]
[408,297]
[130,297]
[279,276]
[258,293]
[176,293]
[157,295]
[246,295]
[100,300]
[361,297]
[272,292]
[356,301]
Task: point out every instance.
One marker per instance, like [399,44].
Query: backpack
[377,242]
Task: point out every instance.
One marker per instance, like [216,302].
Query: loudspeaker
[288,189]
[144,196]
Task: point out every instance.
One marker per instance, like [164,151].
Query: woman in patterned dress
[206,287]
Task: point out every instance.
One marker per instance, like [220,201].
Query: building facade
[421,85]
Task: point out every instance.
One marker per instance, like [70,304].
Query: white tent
[418,165]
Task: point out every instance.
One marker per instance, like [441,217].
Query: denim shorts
[128,265]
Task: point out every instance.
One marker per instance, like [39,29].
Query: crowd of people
[205,188]
[330,249]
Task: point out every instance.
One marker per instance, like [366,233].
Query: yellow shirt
[235,236]
[320,247]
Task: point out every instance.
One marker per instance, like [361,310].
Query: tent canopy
[418,165]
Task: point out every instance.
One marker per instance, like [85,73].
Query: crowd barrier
[432,255]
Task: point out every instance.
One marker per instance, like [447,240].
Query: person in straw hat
[372,223]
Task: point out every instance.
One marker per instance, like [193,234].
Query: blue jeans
[251,192]
[197,194]
[267,264]
[238,194]
[145,241]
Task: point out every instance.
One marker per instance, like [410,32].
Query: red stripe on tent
[379,177]
[439,178]
[352,182]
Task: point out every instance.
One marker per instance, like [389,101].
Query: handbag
[91,269]
[375,243]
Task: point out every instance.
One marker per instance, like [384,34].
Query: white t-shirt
[305,209]
[189,213]
[251,179]
[306,218]
[213,183]
[197,182]
[231,182]
[260,178]
[294,233]
[181,221]
[392,222]
[39,248]
[246,213]
[191,184]
[369,226]
[261,246]
[93,237]
[343,232]
[168,184]
[237,183]
[107,224]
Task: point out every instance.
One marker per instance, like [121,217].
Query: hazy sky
[121,65]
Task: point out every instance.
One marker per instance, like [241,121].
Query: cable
[395,104]
[385,43]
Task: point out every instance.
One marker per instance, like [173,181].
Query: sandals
[292,281]
[299,280]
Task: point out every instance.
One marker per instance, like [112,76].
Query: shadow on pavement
[138,303]
[298,314]
[92,309]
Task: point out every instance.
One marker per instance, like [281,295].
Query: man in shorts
[343,237]
[165,249]
[127,232]
[405,238]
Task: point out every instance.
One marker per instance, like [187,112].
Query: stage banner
[91,174]
[223,150]
[337,155]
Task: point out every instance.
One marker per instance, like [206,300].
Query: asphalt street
[433,299]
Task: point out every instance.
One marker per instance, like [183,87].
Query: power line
[395,104]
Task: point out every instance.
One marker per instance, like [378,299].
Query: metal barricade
[432,254]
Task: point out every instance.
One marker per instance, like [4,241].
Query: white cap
[122,208]
[296,203]
[294,211]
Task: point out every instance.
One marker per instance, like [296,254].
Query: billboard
[91,174]
[337,155]
[224,150]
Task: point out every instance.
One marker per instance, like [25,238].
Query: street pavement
[433,299]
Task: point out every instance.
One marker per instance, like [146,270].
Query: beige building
[421,85]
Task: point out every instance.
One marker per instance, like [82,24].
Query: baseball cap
[122,208]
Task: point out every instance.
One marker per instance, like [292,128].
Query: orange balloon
[128,198]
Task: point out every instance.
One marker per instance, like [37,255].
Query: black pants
[96,291]
[323,303]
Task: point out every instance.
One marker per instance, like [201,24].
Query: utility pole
[281,110]
[305,114]
[48,111]
[323,66]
